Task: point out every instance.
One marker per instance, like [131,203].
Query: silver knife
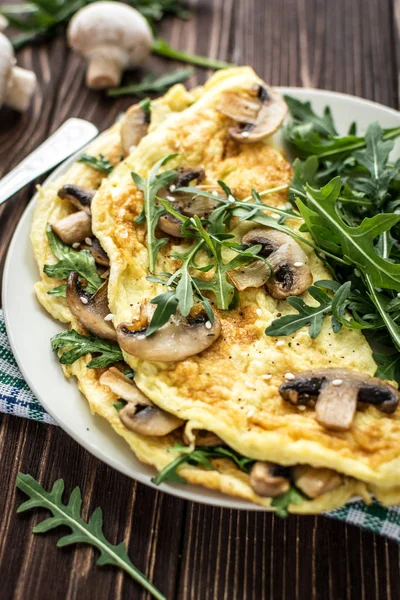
[68,139]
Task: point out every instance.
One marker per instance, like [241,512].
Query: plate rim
[188,492]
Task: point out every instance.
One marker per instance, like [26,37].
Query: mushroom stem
[104,70]
[20,88]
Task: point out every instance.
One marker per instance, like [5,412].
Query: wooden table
[188,550]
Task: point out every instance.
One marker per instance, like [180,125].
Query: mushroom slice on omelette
[290,413]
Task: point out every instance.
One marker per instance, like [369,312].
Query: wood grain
[190,551]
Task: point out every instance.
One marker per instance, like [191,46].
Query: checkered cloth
[17,399]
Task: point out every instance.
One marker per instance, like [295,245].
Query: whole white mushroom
[112,37]
[16,85]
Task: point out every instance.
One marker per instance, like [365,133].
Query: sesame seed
[171,198]
[337,382]
[215,193]
[172,187]
[259,312]
[208,325]
[267,376]
[398,294]
[109,317]
[84,300]
[76,245]
[245,134]
[378,289]
[141,337]
[298,264]
[231,198]
[88,241]
[289,376]
[280,343]
[357,273]
[251,411]
[301,407]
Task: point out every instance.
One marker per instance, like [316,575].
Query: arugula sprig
[281,503]
[151,83]
[152,211]
[74,345]
[200,456]
[100,163]
[354,217]
[82,532]
[71,260]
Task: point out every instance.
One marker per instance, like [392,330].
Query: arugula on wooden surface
[81,532]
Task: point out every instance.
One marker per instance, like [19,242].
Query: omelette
[197,389]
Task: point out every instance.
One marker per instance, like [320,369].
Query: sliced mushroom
[167,222]
[338,393]
[258,112]
[74,228]
[269,480]
[97,252]
[134,126]
[289,262]
[201,437]
[149,420]
[140,415]
[176,340]
[90,310]
[123,387]
[315,481]
[255,274]
[78,196]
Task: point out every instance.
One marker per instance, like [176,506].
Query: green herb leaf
[356,243]
[200,456]
[81,262]
[388,366]
[75,345]
[167,304]
[69,515]
[161,48]
[303,112]
[100,163]
[152,83]
[155,10]
[152,211]
[281,503]
[60,291]
[307,315]
[119,405]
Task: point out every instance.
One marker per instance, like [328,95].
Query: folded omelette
[196,387]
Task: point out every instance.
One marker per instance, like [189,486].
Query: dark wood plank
[192,551]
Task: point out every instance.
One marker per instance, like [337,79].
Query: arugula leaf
[70,261]
[381,303]
[161,48]
[75,345]
[59,291]
[167,305]
[356,243]
[152,83]
[388,366]
[375,159]
[281,503]
[200,456]
[303,112]
[152,212]
[307,315]
[90,532]
[100,163]
[155,10]
[119,405]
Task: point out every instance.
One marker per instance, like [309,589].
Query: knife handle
[65,141]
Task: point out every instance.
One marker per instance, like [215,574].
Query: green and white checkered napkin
[17,399]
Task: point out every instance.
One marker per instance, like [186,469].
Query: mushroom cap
[315,481]
[111,24]
[259,112]
[268,479]
[337,393]
[7,61]
[177,340]
[80,197]
[134,127]
[92,312]
[288,260]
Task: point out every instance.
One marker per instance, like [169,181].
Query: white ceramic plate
[30,328]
